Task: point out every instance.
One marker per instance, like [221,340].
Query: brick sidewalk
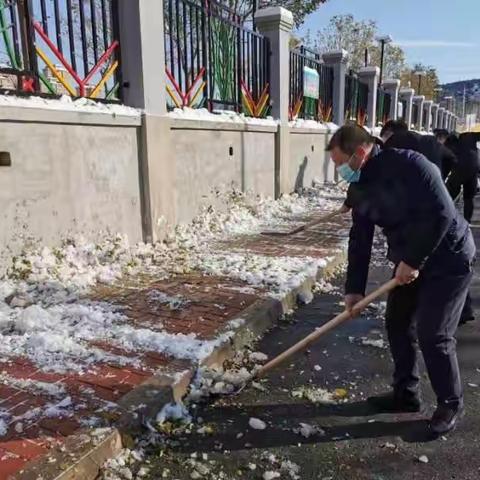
[97,396]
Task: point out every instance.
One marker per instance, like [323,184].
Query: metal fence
[356,99]
[415,114]
[301,105]
[56,47]
[213,60]
[384,102]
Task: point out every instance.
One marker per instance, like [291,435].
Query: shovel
[322,219]
[320,331]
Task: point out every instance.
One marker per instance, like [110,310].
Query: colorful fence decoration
[384,101]
[252,108]
[311,86]
[207,40]
[60,47]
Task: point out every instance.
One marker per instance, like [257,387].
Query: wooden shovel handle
[322,219]
[317,333]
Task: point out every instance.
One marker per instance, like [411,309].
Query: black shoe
[396,403]
[445,419]
[466,319]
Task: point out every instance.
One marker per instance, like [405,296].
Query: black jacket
[403,193]
[428,146]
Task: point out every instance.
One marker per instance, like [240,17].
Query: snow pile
[33,386]
[223,116]
[45,317]
[4,420]
[66,103]
[312,124]
[279,274]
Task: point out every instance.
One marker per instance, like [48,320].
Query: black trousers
[429,310]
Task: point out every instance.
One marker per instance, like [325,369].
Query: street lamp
[420,75]
[384,40]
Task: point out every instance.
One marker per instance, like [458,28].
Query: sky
[442,33]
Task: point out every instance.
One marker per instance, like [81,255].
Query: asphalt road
[354,443]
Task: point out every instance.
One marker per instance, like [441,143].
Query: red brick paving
[205,315]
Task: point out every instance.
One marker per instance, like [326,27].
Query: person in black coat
[433,251]
[395,134]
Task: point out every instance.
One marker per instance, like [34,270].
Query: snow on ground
[224,116]
[66,103]
[46,317]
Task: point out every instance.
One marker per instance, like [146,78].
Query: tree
[343,31]
[299,8]
[429,82]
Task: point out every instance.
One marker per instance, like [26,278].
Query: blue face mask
[348,173]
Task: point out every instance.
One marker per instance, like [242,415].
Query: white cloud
[435,44]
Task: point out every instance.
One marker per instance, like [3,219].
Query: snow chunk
[258,357]
[173,411]
[307,430]
[257,424]
[271,475]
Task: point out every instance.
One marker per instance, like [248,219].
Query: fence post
[370,76]
[427,106]
[449,121]
[392,87]
[143,54]
[407,94]
[338,61]
[276,24]
[418,100]
[435,108]
[441,114]
[141,31]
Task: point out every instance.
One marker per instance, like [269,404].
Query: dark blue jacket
[403,193]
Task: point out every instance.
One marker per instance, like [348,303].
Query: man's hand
[405,274]
[344,209]
[351,300]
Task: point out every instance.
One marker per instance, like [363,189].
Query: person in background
[433,250]
[395,134]
[464,177]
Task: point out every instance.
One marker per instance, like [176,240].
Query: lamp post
[420,74]
[384,40]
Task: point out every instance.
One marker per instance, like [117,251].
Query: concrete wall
[308,159]
[90,173]
[211,155]
[70,173]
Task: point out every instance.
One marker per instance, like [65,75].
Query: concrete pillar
[427,108]
[338,60]
[143,74]
[445,118]
[370,76]
[276,24]
[441,114]
[392,87]
[407,94]
[143,55]
[435,108]
[449,121]
[419,100]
